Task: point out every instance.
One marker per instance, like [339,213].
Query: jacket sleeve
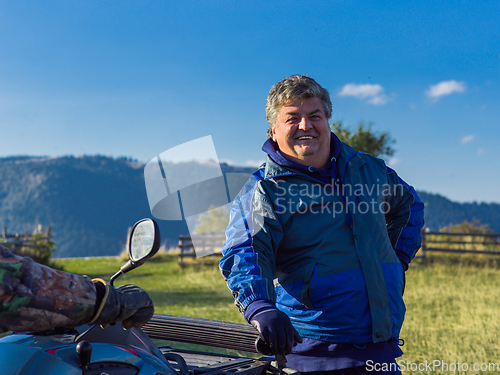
[35,297]
[248,261]
[404,217]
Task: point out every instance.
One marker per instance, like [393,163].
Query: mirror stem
[114,277]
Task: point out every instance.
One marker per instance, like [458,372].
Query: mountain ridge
[91,201]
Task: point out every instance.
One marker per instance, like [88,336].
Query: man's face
[302,132]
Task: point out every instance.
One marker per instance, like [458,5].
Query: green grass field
[453,307]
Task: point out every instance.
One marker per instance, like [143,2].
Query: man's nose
[305,124]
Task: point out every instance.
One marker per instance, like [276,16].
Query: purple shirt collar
[271,148]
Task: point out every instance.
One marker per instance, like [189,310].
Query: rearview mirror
[143,242]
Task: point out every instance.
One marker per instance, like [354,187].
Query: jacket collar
[349,157]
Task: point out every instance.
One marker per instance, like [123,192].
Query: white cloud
[373,93]
[467,139]
[480,151]
[393,161]
[445,88]
[253,163]
[227,161]
[378,100]
[248,163]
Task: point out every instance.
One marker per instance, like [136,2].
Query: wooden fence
[206,244]
[37,245]
[476,243]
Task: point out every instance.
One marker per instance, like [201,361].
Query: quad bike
[94,350]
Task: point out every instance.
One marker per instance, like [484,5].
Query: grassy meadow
[453,306]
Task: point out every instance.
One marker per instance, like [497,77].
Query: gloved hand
[276,330]
[128,304]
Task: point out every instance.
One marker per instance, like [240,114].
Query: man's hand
[128,304]
[276,330]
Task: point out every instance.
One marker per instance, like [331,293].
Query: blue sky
[135,78]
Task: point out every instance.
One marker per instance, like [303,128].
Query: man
[319,240]
[35,297]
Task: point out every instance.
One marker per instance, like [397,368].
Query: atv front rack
[201,331]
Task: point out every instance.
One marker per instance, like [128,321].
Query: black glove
[276,330]
[128,304]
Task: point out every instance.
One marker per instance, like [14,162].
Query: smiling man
[302,132]
[319,240]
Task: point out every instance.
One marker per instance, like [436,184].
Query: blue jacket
[327,251]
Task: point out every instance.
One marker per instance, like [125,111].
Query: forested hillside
[441,212]
[91,201]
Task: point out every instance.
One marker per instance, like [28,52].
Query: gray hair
[294,87]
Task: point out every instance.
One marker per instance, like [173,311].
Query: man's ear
[273,129]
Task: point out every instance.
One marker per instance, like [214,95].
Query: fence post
[423,247]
